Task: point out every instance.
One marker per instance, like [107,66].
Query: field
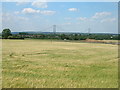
[58,64]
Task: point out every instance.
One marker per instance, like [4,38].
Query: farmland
[58,64]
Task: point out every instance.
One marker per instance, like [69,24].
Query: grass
[54,64]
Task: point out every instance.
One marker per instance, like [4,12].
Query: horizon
[63,32]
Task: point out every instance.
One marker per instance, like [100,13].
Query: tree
[63,36]
[23,33]
[6,33]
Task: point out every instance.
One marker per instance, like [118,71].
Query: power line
[60,28]
[53,27]
[48,28]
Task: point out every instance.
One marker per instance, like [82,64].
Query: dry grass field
[58,64]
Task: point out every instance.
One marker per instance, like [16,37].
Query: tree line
[6,34]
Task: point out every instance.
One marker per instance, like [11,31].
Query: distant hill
[60,33]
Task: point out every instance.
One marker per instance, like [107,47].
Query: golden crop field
[58,64]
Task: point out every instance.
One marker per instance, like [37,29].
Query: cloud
[30,10]
[44,12]
[16,12]
[67,23]
[10,17]
[67,18]
[108,20]
[101,15]
[23,18]
[21,3]
[82,18]
[73,9]
[6,17]
[48,12]
[40,4]
[15,22]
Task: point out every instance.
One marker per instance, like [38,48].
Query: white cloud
[73,9]
[67,23]
[68,18]
[10,17]
[66,0]
[16,12]
[82,18]
[40,4]
[15,22]
[23,18]
[108,20]
[6,16]
[21,3]
[101,15]
[47,12]
[44,12]
[30,10]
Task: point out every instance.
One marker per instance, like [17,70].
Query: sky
[83,17]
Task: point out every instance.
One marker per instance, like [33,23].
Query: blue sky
[100,17]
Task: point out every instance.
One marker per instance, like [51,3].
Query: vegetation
[59,64]
[15,37]
[6,33]
[54,63]
[71,36]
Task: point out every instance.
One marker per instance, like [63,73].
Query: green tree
[6,33]
[63,36]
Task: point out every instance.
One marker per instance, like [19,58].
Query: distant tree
[6,33]
[63,36]
[23,33]
[76,37]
